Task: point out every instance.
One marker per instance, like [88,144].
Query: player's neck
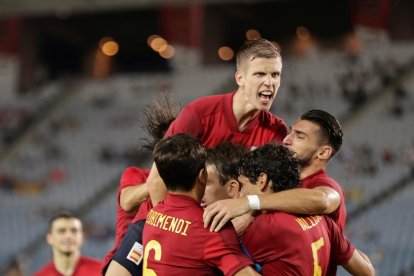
[65,263]
[311,169]
[243,112]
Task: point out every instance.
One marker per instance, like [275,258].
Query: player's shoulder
[90,261]
[46,270]
[268,116]
[209,101]
[136,171]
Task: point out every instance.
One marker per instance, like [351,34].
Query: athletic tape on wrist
[254,202]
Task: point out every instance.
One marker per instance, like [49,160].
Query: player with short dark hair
[65,236]
[175,240]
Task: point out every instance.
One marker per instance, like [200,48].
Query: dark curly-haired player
[287,244]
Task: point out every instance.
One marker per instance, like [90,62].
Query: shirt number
[151,245]
[317,269]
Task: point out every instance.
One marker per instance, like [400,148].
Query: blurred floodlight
[303,33]
[167,52]
[225,53]
[151,38]
[109,47]
[157,43]
[253,34]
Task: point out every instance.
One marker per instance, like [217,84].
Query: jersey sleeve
[341,249]
[222,250]
[188,121]
[132,176]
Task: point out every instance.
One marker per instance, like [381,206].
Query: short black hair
[179,159]
[60,215]
[276,161]
[225,158]
[330,127]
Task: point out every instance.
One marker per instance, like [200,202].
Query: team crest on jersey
[135,254]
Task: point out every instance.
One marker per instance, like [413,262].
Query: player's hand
[221,211]
[241,223]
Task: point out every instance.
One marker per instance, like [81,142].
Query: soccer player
[241,116]
[315,138]
[65,236]
[175,240]
[300,244]
[133,191]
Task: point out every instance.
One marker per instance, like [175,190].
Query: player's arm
[246,271]
[132,196]
[359,264]
[156,186]
[319,200]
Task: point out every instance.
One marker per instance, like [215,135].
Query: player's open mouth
[265,96]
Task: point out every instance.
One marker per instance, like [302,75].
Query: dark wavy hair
[159,114]
[225,159]
[276,161]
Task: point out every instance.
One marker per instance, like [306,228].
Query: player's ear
[262,182]
[233,188]
[325,152]
[49,238]
[239,78]
[202,176]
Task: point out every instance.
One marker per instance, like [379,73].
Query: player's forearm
[359,265]
[296,201]
[156,186]
[131,197]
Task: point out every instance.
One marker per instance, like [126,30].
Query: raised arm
[156,186]
[132,196]
[319,200]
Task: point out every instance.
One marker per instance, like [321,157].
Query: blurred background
[76,75]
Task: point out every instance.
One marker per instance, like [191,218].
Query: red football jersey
[132,176]
[85,267]
[176,242]
[321,178]
[211,119]
[286,244]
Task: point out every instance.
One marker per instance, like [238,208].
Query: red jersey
[287,244]
[85,267]
[132,176]
[176,242]
[143,210]
[211,119]
[320,178]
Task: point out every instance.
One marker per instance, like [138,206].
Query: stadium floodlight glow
[168,52]
[151,38]
[303,33]
[157,43]
[225,53]
[253,34]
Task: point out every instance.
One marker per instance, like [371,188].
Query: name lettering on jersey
[168,223]
[307,223]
